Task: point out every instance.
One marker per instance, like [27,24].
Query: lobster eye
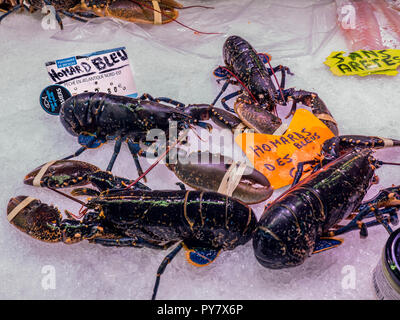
[205,116]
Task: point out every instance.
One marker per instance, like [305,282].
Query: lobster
[304,219]
[204,223]
[258,97]
[136,11]
[98,117]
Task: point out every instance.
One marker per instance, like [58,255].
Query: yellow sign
[277,156]
[364,62]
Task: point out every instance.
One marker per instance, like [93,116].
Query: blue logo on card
[52,98]
[62,63]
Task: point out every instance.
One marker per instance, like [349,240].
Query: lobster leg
[77,153]
[283,70]
[135,149]
[357,224]
[73,16]
[60,23]
[162,267]
[300,170]
[234,82]
[223,89]
[383,206]
[117,149]
[11,11]
[58,18]
[228,97]
[181,186]
[226,84]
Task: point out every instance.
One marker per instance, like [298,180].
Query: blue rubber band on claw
[265,58]
[91,142]
[201,257]
[220,72]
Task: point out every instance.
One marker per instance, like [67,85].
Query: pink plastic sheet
[369,24]
[307,25]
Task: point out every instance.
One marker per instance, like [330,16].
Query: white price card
[106,71]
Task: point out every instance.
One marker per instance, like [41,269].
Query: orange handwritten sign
[277,156]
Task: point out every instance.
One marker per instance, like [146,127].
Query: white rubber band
[157,13]
[41,173]
[282,128]
[232,178]
[19,208]
[241,128]
[326,117]
[387,143]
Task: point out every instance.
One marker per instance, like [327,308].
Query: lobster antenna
[196,133]
[277,82]
[167,150]
[175,20]
[68,196]
[189,7]
[389,163]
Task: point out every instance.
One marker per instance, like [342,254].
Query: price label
[364,62]
[106,71]
[277,156]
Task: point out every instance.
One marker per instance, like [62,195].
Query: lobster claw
[207,171]
[61,174]
[257,117]
[35,218]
